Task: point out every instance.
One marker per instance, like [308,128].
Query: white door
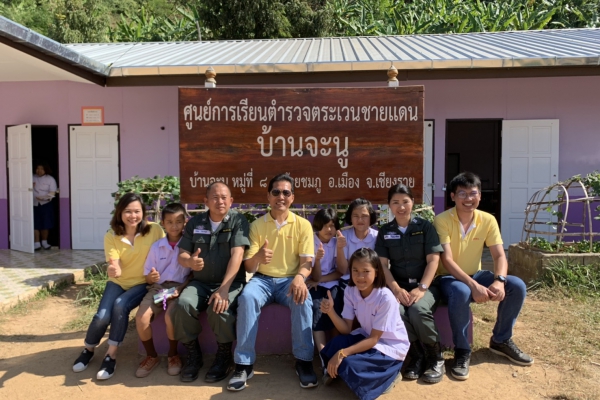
[529,163]
[21,188]
[428,162]
[94,165]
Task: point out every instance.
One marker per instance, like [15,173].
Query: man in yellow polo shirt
[463,230]
[280,256]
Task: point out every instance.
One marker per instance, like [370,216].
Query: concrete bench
[274,333]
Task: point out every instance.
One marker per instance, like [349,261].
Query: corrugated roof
[23,36]
[515,49]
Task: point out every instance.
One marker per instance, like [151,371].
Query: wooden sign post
[337,143]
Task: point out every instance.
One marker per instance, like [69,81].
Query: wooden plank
[337,143]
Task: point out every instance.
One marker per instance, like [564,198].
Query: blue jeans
[458,296]
[263,290]
[114,309]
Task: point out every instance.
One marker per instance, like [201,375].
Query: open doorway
[44,149]
[475,145]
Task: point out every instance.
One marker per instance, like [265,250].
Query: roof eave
[48,50]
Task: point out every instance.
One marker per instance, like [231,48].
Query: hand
[298,289]
[153,276]
[265,254]
[174,295]
[341,240]
[320,252]
[481,294]
[327,304]
[415,295]
[497,289]
[333,364]
[196,263]
[220,301]
[403,297]
[114,269]
[310,284]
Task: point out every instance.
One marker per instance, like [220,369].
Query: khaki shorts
[153,289]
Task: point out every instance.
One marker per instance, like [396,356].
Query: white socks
[37,245]
[44,243]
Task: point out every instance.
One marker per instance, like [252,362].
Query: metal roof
[20,36]
[515,49]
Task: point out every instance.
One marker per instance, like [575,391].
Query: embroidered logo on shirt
[392,237]
[226,230]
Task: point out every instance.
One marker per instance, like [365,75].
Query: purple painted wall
[148,150]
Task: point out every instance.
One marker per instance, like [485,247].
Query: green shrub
[571,278]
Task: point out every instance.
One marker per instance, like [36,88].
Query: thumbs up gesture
[265,254]
[196,263]
[320,252]
[341,240]
[153,276]
[327,304]
[114,268]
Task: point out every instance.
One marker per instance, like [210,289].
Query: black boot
[189,372]
[435,363]
[415,367]
[222,365]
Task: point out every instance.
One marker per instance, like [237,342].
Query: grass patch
[24,306]
[570,279]
[89,297]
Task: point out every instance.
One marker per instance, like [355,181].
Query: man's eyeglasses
[464,195]
[277,192]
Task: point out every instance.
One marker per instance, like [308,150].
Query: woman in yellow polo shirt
[126,246]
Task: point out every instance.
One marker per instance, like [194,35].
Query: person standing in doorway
[44,190]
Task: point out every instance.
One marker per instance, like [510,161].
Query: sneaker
[83,360]
[107,369]
[460,366]
[174,365]
[240,376]
[146,366]
[389,388]
[510,350]
[306,373]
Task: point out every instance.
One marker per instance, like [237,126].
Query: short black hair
[43,164]
[466,180]
[173,208]
[368,255]
[212,185]
[323,217]
[399,189]
[360,202]
[279,178]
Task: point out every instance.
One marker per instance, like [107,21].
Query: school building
[518,108]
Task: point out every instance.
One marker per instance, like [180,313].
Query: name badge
[411,280]
[392,237]
[201,232]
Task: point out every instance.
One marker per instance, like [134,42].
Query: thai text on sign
[337,143]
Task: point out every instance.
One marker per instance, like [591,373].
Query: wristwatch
[423,287]
[500,278]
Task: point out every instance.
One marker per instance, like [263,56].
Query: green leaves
[155,192]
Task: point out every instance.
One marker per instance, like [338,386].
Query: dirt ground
[36,356]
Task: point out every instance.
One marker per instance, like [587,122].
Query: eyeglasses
[277,192]
[464,195]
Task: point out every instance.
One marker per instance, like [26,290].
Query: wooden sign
[337,143]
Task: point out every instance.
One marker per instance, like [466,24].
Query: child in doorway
[162,271]
[324,275]
[369,358]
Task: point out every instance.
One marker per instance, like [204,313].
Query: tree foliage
[169,20]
